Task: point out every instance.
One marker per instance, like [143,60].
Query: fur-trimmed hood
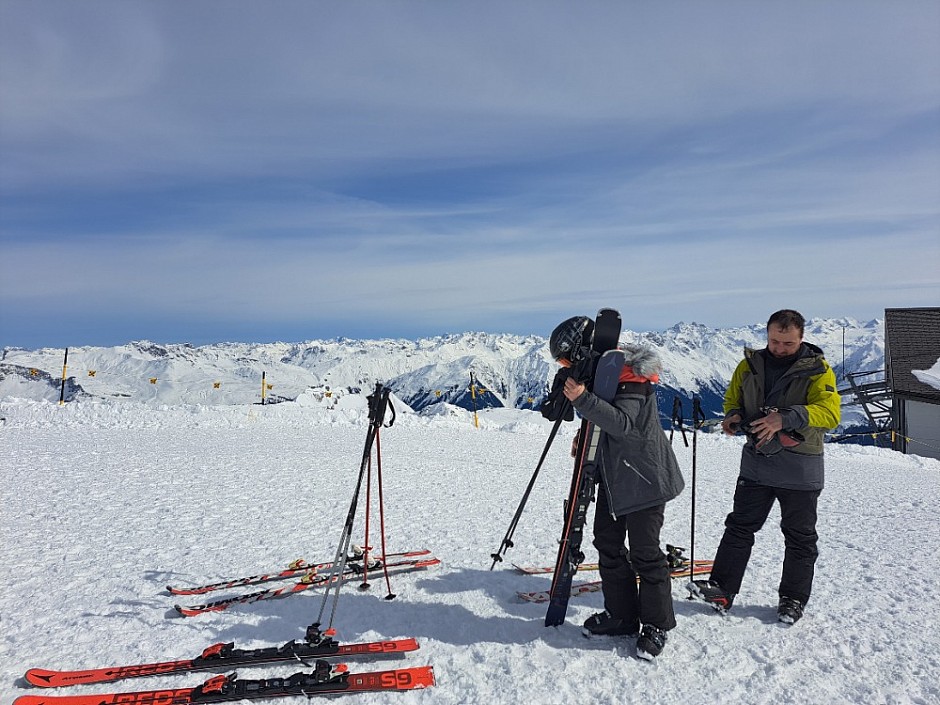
[643,360]
[638,467]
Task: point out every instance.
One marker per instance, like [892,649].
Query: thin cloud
[432,167]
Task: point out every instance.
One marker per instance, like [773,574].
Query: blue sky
[244,171]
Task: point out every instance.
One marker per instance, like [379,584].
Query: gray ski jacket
[638,467]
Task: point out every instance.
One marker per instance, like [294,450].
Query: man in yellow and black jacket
[784,398]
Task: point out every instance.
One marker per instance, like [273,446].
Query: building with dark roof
[912,350]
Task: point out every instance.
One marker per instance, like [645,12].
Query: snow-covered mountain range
[509,370]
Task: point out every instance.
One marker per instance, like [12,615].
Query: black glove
[582,371]
[557,406]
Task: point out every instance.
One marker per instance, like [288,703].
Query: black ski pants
[650,602]
[752,505]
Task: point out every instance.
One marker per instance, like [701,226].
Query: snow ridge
[510,370]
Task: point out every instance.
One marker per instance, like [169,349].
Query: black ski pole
[65,366]
[507,539]
[378,403]
[677,420]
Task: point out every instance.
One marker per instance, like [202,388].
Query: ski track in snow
[106,504]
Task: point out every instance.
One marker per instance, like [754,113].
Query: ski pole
[367,544]
[378,456]
[378,403]
[65,366]
[677,420]
[473,398]
[507,539]
[698,417]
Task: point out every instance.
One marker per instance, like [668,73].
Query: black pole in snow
[697,418]
[65,365]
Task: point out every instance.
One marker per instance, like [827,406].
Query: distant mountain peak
[509,369]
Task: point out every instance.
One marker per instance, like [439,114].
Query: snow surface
[930,377]
[106,503]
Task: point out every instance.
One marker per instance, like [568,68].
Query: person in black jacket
[638,475]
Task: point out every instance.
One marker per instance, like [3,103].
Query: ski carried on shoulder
[223,657]
[578,589]
[324,679]
[298,567]
[602,378]
[352,571]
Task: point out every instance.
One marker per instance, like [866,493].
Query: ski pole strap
[677,420]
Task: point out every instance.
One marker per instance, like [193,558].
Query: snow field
[106,504]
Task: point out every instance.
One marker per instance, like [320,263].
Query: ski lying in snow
[353,570]
[675,556]
[603,383]
[542,569]
[578,589]
[324,679]
[584,567]
[298,567]
[222,657]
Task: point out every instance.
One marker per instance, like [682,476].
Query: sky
[213,170]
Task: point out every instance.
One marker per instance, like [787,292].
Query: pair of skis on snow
[315,650]
[323,679]
[680,567]
[312,575]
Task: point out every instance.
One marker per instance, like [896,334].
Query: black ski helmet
[569,337]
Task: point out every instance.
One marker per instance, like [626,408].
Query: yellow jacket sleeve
[823,403]
[733,401]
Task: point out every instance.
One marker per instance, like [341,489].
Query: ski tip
[40,677]
[427,678]
[417,677]
[532,597]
